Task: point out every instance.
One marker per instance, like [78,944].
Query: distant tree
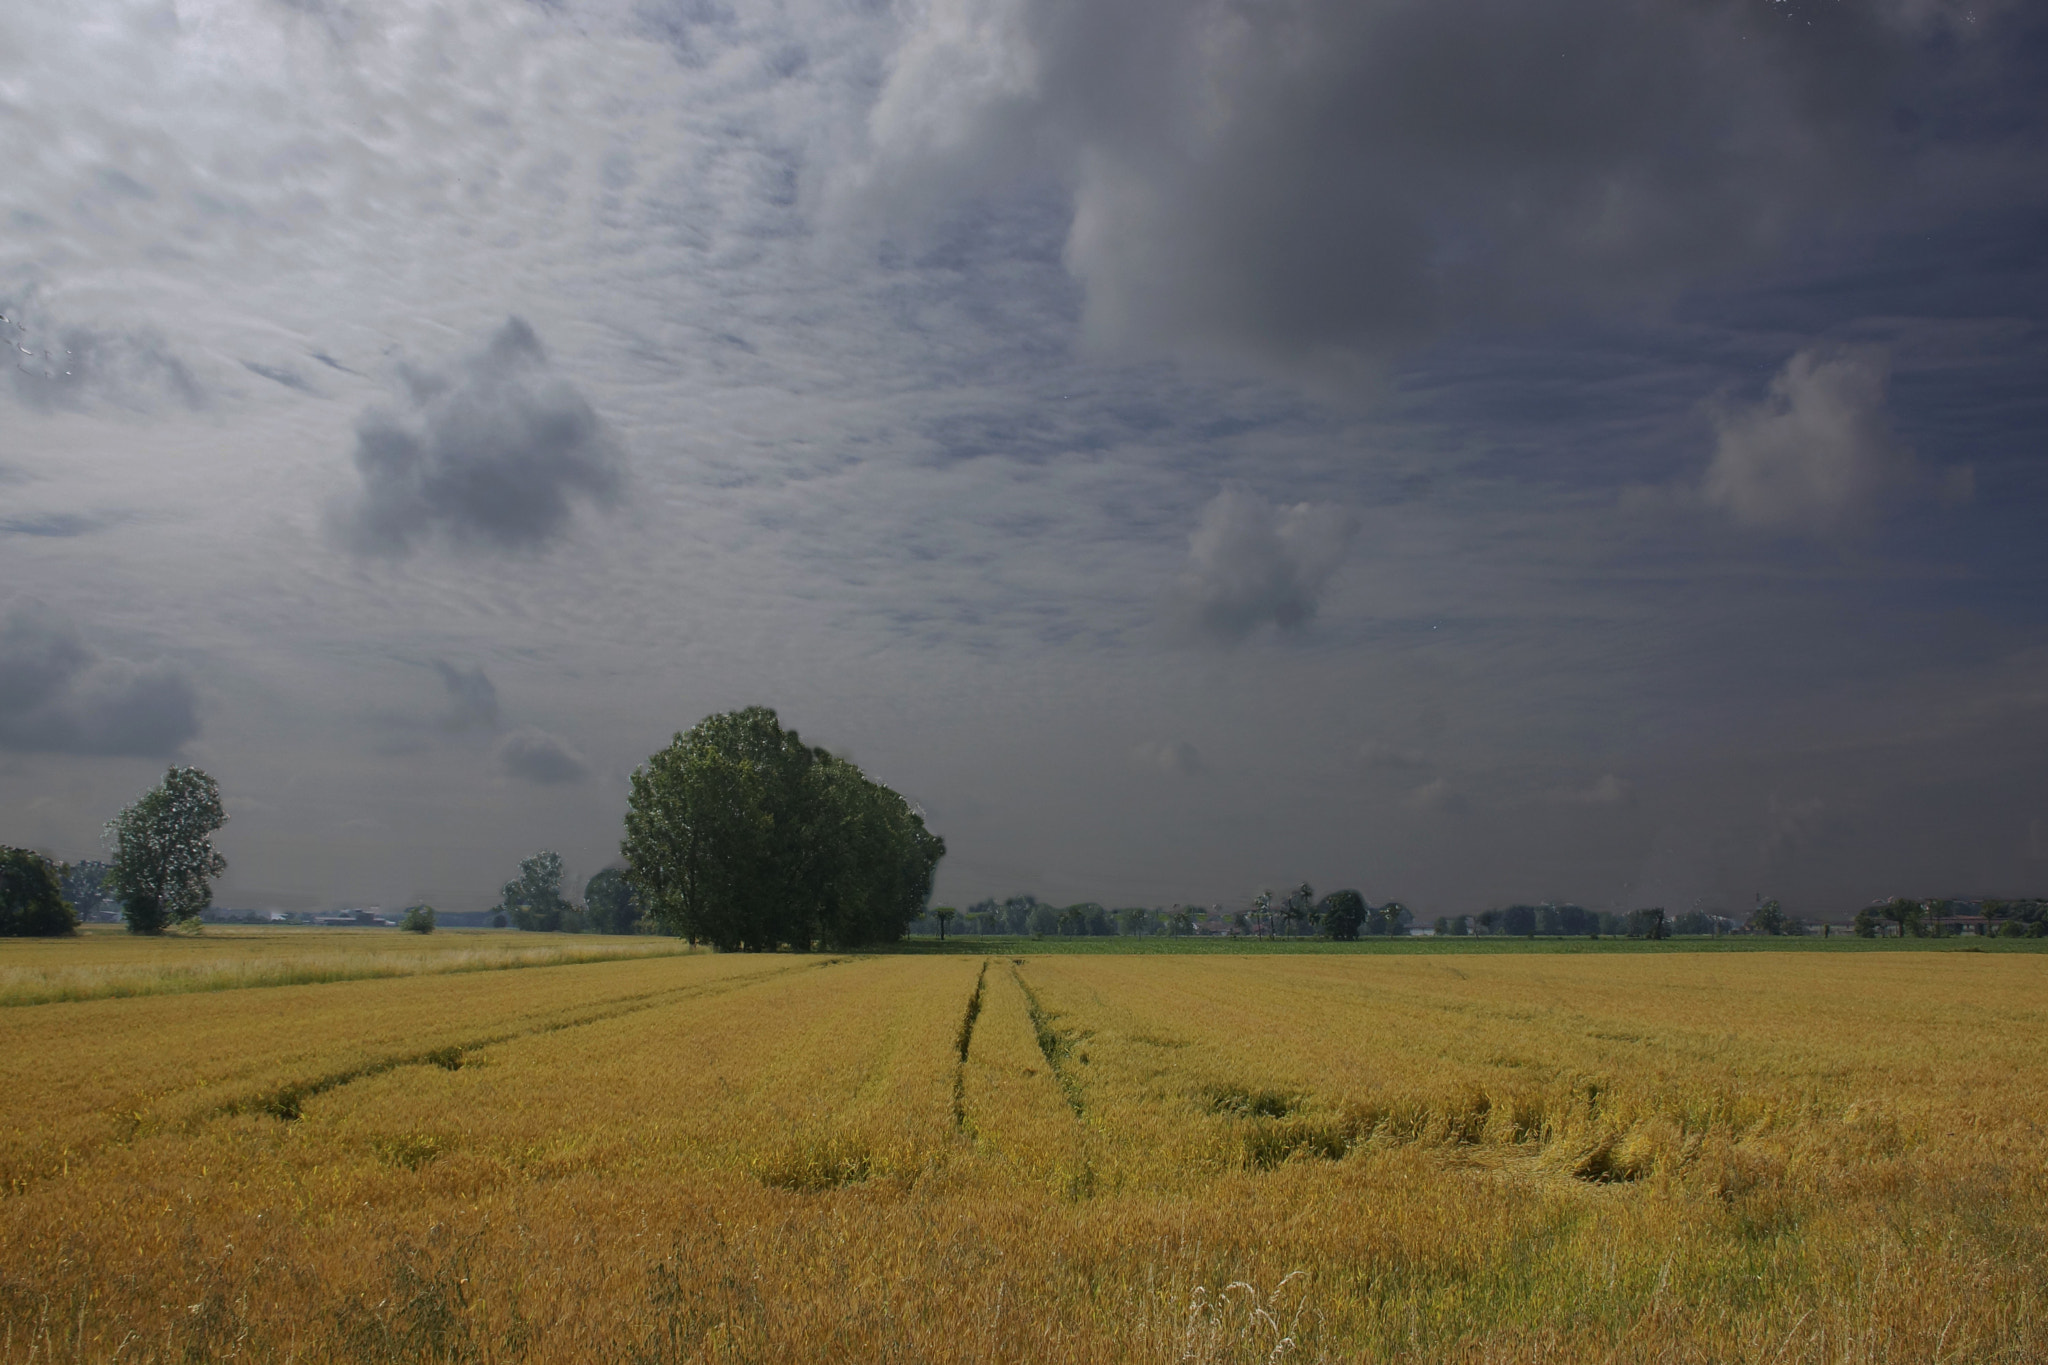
[85,886]
[1183,920]
[164,860]
[1768,918]
[1486,921]
[1134,921]
[1017,915]
[419,919]
[1390,920]
[1519,921]
[1866,923]
[1341,915]
[498,920]
[1648,924]
[1298,912]
[32,896]
[609,901]
[1041,919]
[533,900]
[944,915]
[1907,914]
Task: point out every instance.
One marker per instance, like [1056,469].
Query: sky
[1470,452]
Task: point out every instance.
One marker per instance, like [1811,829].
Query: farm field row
[100,964]
[949,1158]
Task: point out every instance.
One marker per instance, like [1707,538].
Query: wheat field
[1651,1157]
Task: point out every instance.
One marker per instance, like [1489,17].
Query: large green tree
[740,835]
[164,859]
[32,896]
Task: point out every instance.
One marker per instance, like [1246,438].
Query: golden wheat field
[1638,1157]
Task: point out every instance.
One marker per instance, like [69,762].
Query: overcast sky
[1469,452]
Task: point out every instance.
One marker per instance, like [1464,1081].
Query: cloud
[53,525]
[1816,454]
[1175,758]
[1439,797]
[1609,790]
[58,695]
[1379,756]
[1353,176]
[1251,564]
[491,454]
[539,757]
[1793,826]
[278,374]
[63,365]
[472,700]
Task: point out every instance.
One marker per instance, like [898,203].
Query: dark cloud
[278,374]
[1608,790]
[1380,756]
[1439,797]
[56,525]
[472,700]
[1318,176]
[491,454]
[58,695]
[536,756]
[1251,564]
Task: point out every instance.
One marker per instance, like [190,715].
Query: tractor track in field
[1057,1047]
[966,1040]
[286,1101]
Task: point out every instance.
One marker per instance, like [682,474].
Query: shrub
[419,919]
[31,895]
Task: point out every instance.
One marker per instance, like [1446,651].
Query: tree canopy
[164,859]
[31,895]
[533,900]
[609,901]
[740,835]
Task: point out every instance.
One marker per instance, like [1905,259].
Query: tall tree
[740,835]
[164,859]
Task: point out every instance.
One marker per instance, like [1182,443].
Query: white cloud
[1817,454]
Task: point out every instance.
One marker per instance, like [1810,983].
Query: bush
[419,919]
[31,896]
